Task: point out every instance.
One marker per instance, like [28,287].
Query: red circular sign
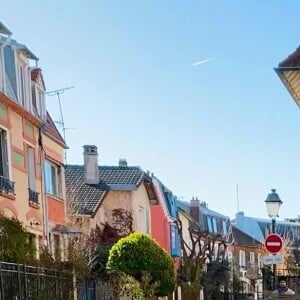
[273,243]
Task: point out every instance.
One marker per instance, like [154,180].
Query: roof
[23,48]
[241,238]
[4,29]
[52,130]
[259,228]
[165,198]
[88,197]
[289,73]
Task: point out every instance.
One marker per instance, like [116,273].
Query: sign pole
[274,265]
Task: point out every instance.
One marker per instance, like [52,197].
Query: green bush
[141,257]
[14,244]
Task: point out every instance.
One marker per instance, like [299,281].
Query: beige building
[29,144]
[93,192]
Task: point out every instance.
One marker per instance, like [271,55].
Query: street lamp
[273,203]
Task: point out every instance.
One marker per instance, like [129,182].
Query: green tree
[216,276]
[140,256]
[14,243]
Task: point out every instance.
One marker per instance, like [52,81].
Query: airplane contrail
[204,61]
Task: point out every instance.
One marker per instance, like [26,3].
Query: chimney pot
[122,163]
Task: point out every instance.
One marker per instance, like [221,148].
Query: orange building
[29,144]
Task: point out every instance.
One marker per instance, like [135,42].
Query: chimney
[194,209]
[91,170]
[122,163]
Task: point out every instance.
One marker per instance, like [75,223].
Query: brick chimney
[91,169]
[194,209]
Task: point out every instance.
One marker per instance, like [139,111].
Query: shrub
[137,255]
[14,244]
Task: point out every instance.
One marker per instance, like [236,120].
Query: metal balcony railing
[33,196]
[7,186]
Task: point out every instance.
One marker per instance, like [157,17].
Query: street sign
[273,243]
[273,259]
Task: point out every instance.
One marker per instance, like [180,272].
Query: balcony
[33,198]
[6,186]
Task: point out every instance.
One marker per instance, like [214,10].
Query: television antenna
[61,121]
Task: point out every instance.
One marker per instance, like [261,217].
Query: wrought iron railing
[7,186]
[33,197]
[31,283]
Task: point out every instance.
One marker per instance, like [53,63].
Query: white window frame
[55,179]
[242,258]
[252,257]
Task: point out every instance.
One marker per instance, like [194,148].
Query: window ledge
[55,197]
[34,205]
[7,195]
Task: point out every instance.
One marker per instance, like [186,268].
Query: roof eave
[280,71]
[4,29]
[51,136]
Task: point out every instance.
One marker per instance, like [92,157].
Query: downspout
[43,191]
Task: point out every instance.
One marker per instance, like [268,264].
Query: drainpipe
[43,191]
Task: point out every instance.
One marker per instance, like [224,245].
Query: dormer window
[38,94]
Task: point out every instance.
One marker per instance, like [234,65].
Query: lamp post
[273,203]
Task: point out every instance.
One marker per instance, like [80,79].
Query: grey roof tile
[87,197]
[241,238]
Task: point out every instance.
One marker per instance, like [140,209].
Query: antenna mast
[237,198]
[61,122]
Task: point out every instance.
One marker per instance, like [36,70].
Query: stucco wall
[18,139]
[160,228]
[127,200]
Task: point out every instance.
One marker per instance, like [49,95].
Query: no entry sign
[273,243]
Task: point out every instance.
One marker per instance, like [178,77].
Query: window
[252,258]
[4,170]
[229,256]
[224,227]
[38,100]
[242,259]
[143,220]
[10,72]
[33,196]
[22,86]
[259,260]
[31,168]
[209,224]
[212,224]
[53,179]
[56,246]
[215,229]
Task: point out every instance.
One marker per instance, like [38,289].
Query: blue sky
[200,129]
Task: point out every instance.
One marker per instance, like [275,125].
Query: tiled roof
[241,238]
[292,60]
[87,197]
[51,129]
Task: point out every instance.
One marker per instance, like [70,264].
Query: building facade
[28,141]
